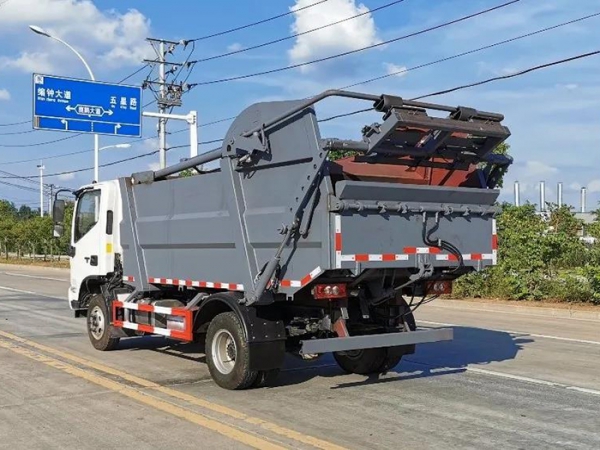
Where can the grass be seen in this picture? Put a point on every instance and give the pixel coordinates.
(63, 264)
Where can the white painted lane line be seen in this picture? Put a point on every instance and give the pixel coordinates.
(21, 291)
(62, 280)
(520, 378)
(522, 333)
(516, 313)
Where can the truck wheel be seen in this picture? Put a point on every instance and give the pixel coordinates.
(265, 378)
(98, 325)
(362, 362)
(228, 354)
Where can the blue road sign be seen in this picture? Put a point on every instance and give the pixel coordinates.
(82, 106)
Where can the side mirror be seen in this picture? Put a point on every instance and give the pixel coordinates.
(58, 217)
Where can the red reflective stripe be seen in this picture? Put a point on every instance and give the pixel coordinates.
(361, 257)
(145, 328)
(307, 279)
(435, 250)
(286, 283)
(338, 241)
(410, 250)
(476, 256)
(494, 242)
(145, 308)
(389, 257)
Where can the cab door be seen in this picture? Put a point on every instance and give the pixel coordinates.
(86, 241)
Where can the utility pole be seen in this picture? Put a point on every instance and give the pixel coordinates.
(169, 93)
(41, 167)
(50, 199)
(162, 122)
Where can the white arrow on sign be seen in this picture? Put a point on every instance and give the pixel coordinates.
(117, 126)
(71, 108)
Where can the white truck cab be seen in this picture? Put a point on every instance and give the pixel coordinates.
(94, 240)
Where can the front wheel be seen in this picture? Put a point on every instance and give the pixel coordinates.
(98, 325)
(228, 353)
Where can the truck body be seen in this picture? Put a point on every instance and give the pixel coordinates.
(280, 248)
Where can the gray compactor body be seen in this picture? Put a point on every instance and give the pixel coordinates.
(277, 214)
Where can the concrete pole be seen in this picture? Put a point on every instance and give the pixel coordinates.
(41, 167)
(162, 122)
(517, 194)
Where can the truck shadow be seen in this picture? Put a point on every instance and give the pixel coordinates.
(471, 346)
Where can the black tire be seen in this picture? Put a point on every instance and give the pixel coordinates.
(362, 362)
(228, 354)
(98, 325)
(265, 378)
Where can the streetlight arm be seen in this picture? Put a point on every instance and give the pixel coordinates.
(77, 53)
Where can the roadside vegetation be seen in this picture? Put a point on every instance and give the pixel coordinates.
(540, 258)
(26, 238)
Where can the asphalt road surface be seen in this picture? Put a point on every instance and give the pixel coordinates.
(510, 379)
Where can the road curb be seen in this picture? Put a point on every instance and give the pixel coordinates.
(542, 310)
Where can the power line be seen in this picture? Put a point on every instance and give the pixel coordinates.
(512, 75)
(14, 133)
(295, 35)
(489, 80)
(253, 24)
(479, 83)
(470, 52)
(14, 123)
(351, 52)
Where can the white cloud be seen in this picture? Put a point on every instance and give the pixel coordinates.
(28, 62)
(575, 186)
(154, 166)
(4, 94)
(114, 38)
(538, 168)
(66, 176)
(594, 186)
(235, 47)
(350, 35)
(394, 69)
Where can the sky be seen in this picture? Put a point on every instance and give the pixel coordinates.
(553, 114)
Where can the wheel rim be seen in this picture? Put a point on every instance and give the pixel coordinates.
(224, 351)
(97, 322)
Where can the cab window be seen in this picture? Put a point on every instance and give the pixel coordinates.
(88, 212)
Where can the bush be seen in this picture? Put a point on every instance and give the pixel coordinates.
(538, 258)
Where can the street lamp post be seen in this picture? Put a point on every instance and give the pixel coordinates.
(42, 32)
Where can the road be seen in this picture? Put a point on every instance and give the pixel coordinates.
(510, 378)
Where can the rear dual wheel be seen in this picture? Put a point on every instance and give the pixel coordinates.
(228, 355)
(368, 361)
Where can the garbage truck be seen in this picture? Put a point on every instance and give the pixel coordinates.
(284, 241)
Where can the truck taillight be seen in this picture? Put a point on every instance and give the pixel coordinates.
(439, 287)
(329, 291)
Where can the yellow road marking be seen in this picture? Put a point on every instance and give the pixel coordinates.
(270, 426)
(153, 402)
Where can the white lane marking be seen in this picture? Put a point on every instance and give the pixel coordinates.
(21, 291)
(509, 376)
(34, 276)
(542, 316)
(523, 333)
